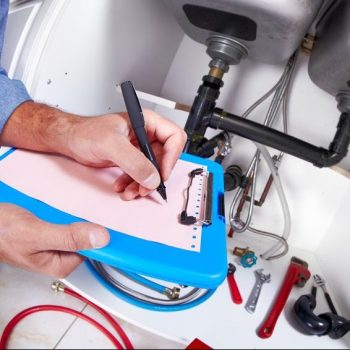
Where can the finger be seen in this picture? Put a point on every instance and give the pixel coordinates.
(133, 162)
(131, 191)
(73, 237)
(158, 151)
(61, 264)
(170, 135)
(124, 180)
(157, 148)
(144, 192)
(121, 183)
(171, 153)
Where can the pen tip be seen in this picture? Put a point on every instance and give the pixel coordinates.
(164, 197)
(162, 192)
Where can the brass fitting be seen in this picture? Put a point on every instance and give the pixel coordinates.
(241, 251)
(216, 72)
(57, 286)
(172, 293)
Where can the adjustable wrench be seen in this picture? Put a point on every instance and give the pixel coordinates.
(297, 274)
(261, 278)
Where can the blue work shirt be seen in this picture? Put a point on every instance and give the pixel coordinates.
(12, 92)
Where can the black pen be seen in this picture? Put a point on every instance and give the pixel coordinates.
(137, 120)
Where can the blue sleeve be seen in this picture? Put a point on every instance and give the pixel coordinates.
(12, 92)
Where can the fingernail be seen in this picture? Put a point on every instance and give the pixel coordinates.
(152, 181)
(97, 240)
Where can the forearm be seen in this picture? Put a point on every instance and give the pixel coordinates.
(38, 127)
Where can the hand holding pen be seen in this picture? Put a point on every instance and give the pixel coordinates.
(138, 124)
(156, 129)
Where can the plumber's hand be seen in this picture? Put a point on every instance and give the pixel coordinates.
(109, 140)
(32, 244)
(99, 141)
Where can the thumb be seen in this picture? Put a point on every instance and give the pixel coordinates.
(133, 162)
(74, 237)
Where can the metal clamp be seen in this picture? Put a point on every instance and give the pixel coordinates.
(205, 212)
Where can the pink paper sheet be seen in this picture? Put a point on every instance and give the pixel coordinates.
(87, 193)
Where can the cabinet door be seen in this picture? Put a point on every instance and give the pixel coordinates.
(19, 23)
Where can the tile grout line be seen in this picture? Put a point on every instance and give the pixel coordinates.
(69, 327)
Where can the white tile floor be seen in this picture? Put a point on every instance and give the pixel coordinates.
(94, 339)
(20, 289)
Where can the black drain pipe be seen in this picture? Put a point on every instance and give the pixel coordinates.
(318, 156)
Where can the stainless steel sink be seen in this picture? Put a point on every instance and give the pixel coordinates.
(271, 30)
(329, 65)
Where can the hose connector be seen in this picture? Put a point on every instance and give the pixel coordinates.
(172, 293)
(57, 286)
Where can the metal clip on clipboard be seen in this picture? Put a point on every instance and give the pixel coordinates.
(205, 212)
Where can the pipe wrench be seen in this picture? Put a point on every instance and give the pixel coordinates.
(297, 274)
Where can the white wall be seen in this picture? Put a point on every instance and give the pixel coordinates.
(79, 50)
(333, 255)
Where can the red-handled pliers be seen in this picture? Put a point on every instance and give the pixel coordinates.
(235, 293)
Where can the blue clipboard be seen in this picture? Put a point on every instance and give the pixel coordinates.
(204, 269)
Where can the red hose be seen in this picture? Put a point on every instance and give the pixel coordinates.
(12, 324)
(106, 315)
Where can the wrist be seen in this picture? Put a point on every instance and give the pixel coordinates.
(39, 127)
(55, 128)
